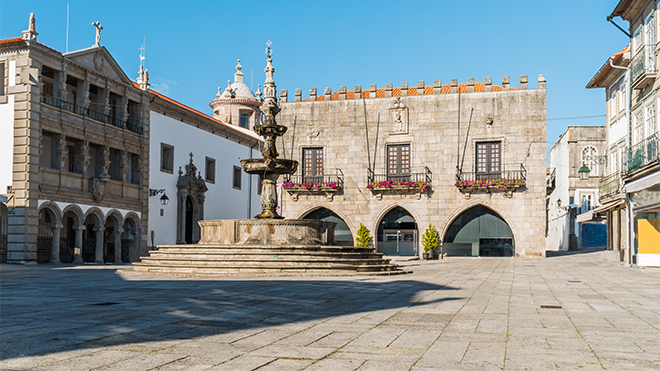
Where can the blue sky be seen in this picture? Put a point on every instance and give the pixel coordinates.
(192, 46)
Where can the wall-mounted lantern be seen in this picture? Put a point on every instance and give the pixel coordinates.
(164, 200)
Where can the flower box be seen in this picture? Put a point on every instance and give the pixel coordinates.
(295, 189)
(490, 185)
(389, 186)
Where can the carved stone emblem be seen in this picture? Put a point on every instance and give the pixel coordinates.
(489, 120)
(398, 117)
(98, 61)
(97, 188)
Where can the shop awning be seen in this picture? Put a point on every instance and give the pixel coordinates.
(643, 183)
(609, 205)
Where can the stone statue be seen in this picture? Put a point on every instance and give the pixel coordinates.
(98, 33)
(33, 23)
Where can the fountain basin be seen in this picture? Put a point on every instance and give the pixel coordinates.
(261, 166)
(267, 232)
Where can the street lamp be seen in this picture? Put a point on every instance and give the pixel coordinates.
(584, 172)
(163, 199)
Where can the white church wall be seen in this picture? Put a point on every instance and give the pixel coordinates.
(223, 201)
(7, 134)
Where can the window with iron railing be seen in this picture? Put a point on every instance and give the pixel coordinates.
(398, 162)
(312, 165)
(488, 160)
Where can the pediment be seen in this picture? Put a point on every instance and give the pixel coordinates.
(98, 58)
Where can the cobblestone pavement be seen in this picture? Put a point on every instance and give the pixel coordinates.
(565, 312)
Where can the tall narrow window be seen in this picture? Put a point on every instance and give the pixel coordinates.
(210, 170)
(312, 165)
(650, 119)
(589, 158)
(244, 120)
(398, 162)
(639, 127)
(237, 177)
(488, 162)
(2, 78)
(166, 158)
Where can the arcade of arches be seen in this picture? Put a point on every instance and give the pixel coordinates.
(343, 236)
(92, 237)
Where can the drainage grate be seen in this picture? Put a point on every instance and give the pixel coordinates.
(551, 307)
(105, 303)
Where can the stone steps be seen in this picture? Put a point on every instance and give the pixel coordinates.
(263, 260)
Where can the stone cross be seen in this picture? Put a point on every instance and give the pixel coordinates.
(98, 33)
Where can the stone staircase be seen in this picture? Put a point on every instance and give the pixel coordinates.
(263, 260)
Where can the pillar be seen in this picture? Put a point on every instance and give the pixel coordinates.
(55, 251)
(117, 234)
(77, 250)
(98, 254)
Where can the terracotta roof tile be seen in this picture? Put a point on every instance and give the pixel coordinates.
(497, 88)
(365, 94)
(412, 91)
(334, 96)
(13, 40)
(320, 98)
(428, 90)
(380, 93)
(479, 87)
(396, 92)
(350, 94)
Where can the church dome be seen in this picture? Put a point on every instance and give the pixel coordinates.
(239, 89)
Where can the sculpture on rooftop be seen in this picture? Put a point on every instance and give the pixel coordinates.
(98, 33)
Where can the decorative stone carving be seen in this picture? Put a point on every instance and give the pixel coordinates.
(98, 35)
(489, 120)
(124, 166)
(62, 151)
(97, 188)
(105, 174)
(190, 184)
(398, 117)
(85, 156)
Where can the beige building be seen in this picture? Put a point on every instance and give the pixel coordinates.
(75, 159)
(468, 158)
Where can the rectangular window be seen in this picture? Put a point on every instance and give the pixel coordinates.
(166, 158)
(2, 78)
(639, 127)
(313, 165)
(488, 160)
(244, 120)
(210, 170)
(398, 162)
(650, 119)
(237, 177)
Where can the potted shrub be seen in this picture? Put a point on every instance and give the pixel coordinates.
(429, 242)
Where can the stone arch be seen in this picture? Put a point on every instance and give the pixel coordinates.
(406, 239)
(77, 211)
(54, 209)
(473, 205)
(49, 224)
(113, 228)
(71, 235)
(349, 240)
(131, 238)
(92, 239)
(189, 185)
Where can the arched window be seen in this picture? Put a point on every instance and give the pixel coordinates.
(589, 158)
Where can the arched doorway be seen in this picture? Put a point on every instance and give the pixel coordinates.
(68, 237)
(343, 236)
(111, 240)
(46, 223)
(90, 233)
(128, 240)
(397, 233)
(479, 231)
(190, 213)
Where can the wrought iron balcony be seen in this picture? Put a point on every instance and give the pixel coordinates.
(505, 181)
(327, 184)
(90, 113)
(641, 155)
(642, 66)
(399, 183)
(609, 186)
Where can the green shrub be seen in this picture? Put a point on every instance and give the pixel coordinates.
(363, 237)
(430, 239)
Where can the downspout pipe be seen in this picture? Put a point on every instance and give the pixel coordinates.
(631, 222)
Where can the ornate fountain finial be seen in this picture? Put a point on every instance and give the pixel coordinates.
(229, 93)
(269, 167)
(258, 93)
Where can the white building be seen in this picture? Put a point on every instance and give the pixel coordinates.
(570, 205)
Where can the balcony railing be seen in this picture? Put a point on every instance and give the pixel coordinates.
(505, 180)
(327, 184)
(609, 186)
(642, 63)
(640, 155)
(399, 183)
(90, 113)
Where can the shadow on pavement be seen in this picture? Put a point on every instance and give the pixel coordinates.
(50, 309)
(590, 250)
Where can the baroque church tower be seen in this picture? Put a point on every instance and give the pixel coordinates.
(237, 105)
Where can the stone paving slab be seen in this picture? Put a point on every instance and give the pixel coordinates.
(453, 314)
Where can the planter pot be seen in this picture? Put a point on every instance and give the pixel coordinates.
(431, 254)
(425, 256)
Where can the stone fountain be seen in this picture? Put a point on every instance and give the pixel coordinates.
(269, 244)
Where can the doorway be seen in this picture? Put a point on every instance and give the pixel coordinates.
(397, 233)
